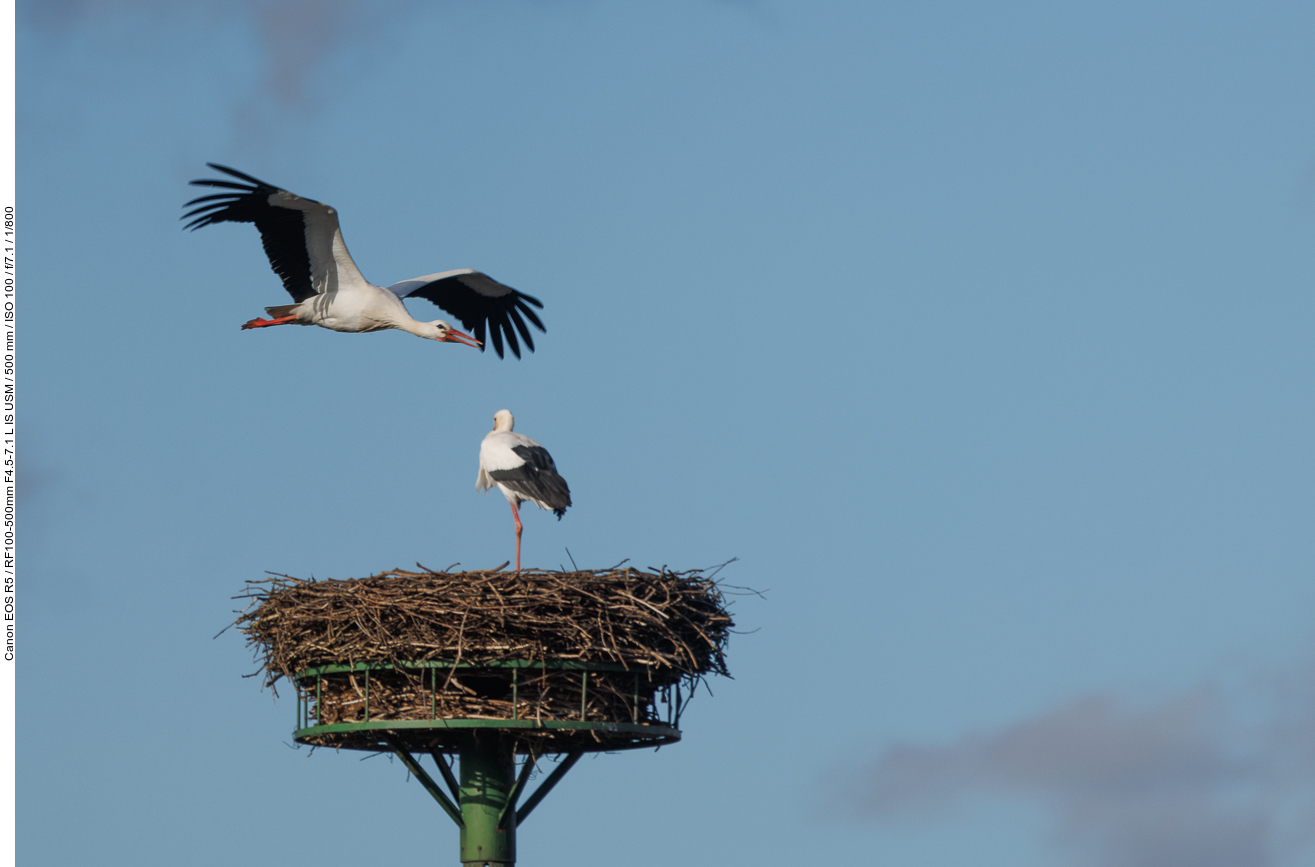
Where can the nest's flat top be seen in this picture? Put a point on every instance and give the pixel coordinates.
(674, 623)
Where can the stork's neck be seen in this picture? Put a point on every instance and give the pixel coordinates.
(392, 313)
(405, 322)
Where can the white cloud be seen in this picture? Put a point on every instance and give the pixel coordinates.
(1208, 778)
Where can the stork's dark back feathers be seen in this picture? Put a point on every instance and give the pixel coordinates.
(536, 480)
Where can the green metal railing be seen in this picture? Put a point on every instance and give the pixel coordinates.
(609, 735)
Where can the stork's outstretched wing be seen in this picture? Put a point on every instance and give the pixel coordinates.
(301, 236)
(481, 303)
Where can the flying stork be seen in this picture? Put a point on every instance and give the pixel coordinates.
(523, 470)
(306, 249)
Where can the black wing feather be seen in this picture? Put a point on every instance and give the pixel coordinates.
(510, 334)
(495, 334)
(536, 480)
(476, 312)
(282, 230)
(520, 326)
(530, 314)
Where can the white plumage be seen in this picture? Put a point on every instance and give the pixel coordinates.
(523, 470)
(305, 248)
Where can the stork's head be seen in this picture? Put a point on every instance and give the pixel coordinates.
(502, 420)
(440, 330)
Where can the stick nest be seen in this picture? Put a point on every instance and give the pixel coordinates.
(672, 624)
(664, 627)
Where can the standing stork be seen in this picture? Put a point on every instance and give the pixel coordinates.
(523, 470)
(306, 249)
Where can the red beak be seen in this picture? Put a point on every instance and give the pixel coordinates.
(455, 336)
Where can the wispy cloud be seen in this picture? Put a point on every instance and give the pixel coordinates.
(1207, 778)
(296, 37)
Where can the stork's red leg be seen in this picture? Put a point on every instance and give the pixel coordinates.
(516, 515)
(263, 323)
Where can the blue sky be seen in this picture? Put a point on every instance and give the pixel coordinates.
(980, 335)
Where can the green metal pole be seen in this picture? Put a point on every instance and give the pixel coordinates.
(487, 780)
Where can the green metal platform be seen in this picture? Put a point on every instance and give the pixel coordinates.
(448, 735)
(483, 801)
